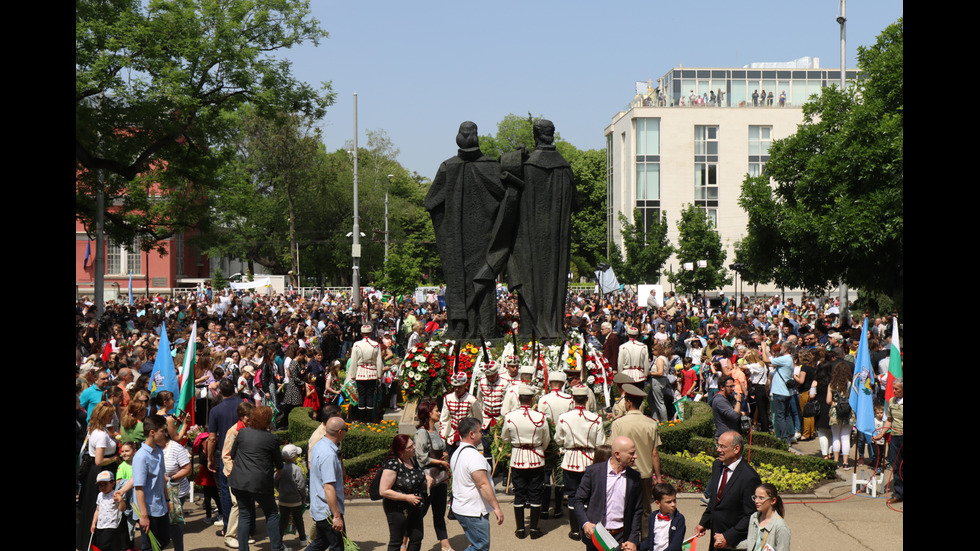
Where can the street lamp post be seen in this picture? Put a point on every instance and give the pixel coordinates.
(356, 247)
(387, 185)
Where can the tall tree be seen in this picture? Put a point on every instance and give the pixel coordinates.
(698, 240)
(646, 252)
(830, 203)
(589, 168)
(154, 84)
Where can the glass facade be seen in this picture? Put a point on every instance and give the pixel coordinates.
(735, 87)
(706, 170)
(647, 132)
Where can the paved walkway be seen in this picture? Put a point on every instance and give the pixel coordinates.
(828, 519)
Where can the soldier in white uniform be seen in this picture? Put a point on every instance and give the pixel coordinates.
(366, 369)
(490, 392)
(553, 404)
(458, 405)
(573, 378)
(634, 358)
(528, 433)
(510, 376)
(511, 402)
(578, 432)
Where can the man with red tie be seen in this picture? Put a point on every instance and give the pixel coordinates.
(730, 493)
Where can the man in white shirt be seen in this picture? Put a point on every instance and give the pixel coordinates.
(473, 495)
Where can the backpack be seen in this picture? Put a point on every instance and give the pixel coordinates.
(842, 407)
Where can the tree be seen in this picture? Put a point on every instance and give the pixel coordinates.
(646, 253)
(279, 162)
(698, 240)
(402, 273)
(155, 83)
(589, 168)
(829, 205)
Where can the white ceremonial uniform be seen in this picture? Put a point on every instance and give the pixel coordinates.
(366, 361)
(634, 361)
(491, 395)
(455, 410)
(528, 433)
(554, 404)
(510, 401)
(578, 432)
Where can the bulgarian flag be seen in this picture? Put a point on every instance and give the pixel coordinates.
(602, 539)
(186, 377)
(894, 361)
(691, 544)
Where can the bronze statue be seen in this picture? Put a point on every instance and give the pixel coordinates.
(464, 202)
(539, 263)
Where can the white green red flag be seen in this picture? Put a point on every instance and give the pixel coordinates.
(602, 539)
(691, 544)
(894, 361)
(186, 377)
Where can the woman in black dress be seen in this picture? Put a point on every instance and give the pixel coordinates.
(404, 487)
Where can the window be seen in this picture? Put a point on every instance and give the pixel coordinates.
(648, 169)
(706, 169)
(760, 139)
(179, 253)
(123, 259)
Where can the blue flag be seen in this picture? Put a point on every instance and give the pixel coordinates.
(862, 398)
(164, 374)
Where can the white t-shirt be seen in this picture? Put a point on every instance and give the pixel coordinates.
(109, 513)
(467, 500)
(175, 457)
(101, 439)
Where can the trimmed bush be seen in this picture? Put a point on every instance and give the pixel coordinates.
(766, 440)
(362, 464)
(759, 454)
(684, 469)
(301, 426)
(363, 438)
(698, 421)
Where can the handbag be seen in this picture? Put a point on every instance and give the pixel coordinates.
(811, 409)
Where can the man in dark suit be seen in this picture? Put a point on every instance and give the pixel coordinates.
(730, 493)
(622, 512)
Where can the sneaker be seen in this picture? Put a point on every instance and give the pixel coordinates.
(218, 521)
(231, 542)
(251, 540)
(797, 436)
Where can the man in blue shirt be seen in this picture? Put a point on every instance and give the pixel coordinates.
(93, 394)
(149, 482)
(327, 488)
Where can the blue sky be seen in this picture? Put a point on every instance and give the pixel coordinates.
(420, 68)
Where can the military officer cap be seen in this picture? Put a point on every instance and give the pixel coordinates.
(631, 390)
(622, 379)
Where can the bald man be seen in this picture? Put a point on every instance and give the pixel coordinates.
(613, 494)
(327, 488)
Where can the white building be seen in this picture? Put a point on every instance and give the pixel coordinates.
(668, 149)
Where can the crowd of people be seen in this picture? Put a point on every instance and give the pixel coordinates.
(259, 357)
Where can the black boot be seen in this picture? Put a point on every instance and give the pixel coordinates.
(559, 498)
(535, 516)
(521, 532)
(574, 532)
(546, 500)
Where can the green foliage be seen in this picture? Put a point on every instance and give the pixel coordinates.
(699, 240)
(301, 426)
(681, 467)
(698, 421)
(589, 169)
(646, 252)
(155, 83)
(218, 280)
(403, 270)
(836, 210)
(363, 438)
(362, 464)
(759, 455)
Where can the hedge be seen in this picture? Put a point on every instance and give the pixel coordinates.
(759, 454)
(362, 464)
(698, 421)
(685, 469)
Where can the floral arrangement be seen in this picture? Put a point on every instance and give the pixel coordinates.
(429, 365)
